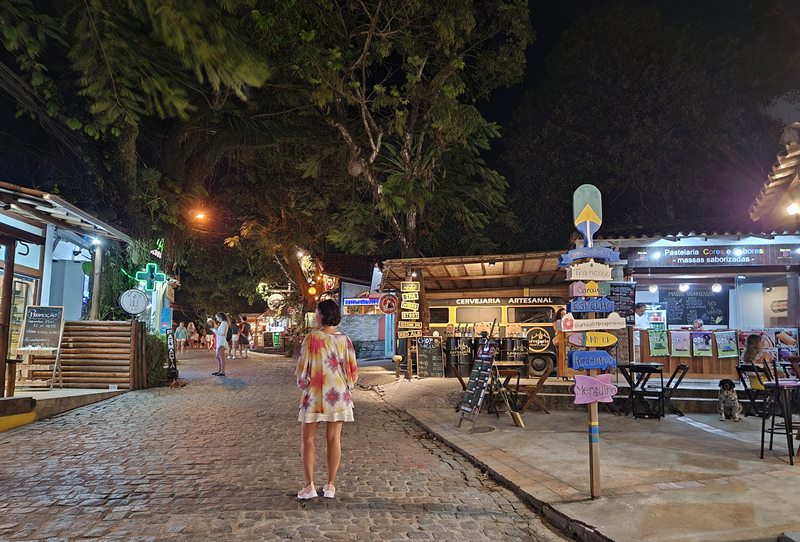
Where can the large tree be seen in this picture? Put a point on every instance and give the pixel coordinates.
(396, 82)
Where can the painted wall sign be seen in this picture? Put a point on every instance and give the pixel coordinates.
(538, 339)
(612, 321)
(589, 289)
(409, 306)
(409, 325)
(409, 315)
(590, 270)
(587, 210)
(502, 301)
(410, 296)
(584, 360)
(702, 256)
(592, 339)
(590, 304)
(360, 301)
(409, 286)
(409, 334)
(598, 389)
(600, 253)
(388, 304)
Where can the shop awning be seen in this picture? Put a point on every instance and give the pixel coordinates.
(776, 192)
(46, 208)
(477, 272)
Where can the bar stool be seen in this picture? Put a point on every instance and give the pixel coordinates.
(780, 396)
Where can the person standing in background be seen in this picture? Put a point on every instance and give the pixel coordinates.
(210, 335)
(234, 339)
(181, 336)
(640, 323)
(244, 336)
(221, 346)
(194, 336)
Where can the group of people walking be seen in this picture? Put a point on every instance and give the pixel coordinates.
(225, 338)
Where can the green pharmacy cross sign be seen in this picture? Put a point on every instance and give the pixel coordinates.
(150, 276)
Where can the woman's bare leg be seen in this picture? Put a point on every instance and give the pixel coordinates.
(333, 432)
(308, 432)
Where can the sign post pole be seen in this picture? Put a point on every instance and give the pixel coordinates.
(589, 299)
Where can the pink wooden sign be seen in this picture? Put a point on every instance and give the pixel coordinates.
(598, 389)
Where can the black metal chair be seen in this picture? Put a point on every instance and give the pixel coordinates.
(780, 392)
(753, 378)
(672, 386)
(650, 398)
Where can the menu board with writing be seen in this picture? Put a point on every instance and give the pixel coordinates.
(430, 361)
(623, 294)
(697, 303)
(42, 327)
(478, 381)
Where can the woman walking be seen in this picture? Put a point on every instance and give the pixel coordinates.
(220, 335)
(326, 372)
(181, 336)
(194, 336)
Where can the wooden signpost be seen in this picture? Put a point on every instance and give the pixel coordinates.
(589, 299)
(408, 326)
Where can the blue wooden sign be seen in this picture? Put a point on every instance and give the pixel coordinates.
(581, 360)
(599, 253)
(591, 304)
(587, 211)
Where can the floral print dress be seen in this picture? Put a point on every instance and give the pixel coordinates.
(326, 372)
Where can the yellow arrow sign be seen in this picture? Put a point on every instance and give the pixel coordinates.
(587, 214)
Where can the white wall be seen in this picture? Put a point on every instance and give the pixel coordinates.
(749, 298)
(66, 288)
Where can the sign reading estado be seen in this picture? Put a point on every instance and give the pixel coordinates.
(42, 327)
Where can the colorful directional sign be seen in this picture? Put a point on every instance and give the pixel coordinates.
(597, 389)
(590, 304)
(592, 339)
(582, 253)
(584, 360)
(587, 211)
(612, 321)
(589, 289)
(590, 270)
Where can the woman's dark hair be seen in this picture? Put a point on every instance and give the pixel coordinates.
(222, 317)
(329, 310)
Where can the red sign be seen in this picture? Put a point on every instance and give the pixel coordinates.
(388, 304)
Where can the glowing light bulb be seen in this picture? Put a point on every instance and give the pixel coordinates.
(716, 287)
(683, 287)
(653, 288)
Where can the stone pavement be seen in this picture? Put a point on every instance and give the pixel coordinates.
(219, 460)
(691, 478)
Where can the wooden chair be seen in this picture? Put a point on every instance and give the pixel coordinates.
(533, 390)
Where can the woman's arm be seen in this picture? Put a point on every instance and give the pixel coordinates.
(351, 365)
(301, 372)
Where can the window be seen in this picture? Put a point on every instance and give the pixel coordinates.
(477, 314)
(531, 315)
(440, 315)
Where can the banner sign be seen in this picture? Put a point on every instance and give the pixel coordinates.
(702, 256)
(600, 253)
(612, 321)
(360, 301)
(590, 270)
(591, 304)
(589, 289)
(592, 339)
(584, 360)
(598, 389)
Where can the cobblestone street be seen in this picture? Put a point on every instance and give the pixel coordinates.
(219, 459)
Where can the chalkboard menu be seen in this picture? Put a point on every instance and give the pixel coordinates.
(697, 303)
(623, 294)
(478, 381)
(42, 327)
(429, 357)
